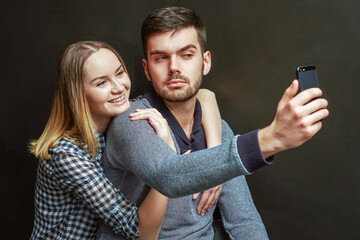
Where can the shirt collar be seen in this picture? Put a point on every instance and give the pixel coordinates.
(159, 104)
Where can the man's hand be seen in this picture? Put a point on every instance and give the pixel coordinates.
(208, 199)
(296, 121)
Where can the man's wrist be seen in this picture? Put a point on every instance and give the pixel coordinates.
(250, 152)
(268, 142)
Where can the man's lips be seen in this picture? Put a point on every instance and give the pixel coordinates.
(176, 83)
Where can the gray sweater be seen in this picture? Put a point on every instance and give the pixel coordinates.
(136, 157)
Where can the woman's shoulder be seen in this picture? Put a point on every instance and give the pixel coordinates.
(69, 155)
(68, 146)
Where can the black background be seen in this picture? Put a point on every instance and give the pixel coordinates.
(311, 192)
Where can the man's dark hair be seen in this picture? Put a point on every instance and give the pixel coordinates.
(172, 18)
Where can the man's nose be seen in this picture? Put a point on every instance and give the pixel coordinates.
(174, 65)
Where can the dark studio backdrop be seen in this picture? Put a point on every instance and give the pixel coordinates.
(311, 192)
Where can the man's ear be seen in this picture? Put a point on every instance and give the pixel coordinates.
(146, 69)
(207, 62)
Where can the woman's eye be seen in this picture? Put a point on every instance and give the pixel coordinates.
(100, 83)
(120, 73)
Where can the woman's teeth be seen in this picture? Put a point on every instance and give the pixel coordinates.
(117, 99)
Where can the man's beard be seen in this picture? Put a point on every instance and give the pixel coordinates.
(179, 95)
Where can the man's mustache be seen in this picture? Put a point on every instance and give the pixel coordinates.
(177, 76)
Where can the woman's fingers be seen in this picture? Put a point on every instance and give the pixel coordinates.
(142, 114)
(155, 119)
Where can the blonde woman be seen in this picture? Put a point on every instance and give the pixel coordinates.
(72, 192)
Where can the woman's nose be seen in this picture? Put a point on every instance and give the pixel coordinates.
(117, 87)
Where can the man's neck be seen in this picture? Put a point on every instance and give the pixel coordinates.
(184, 114)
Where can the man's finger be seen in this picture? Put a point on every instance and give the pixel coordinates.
(291, 91)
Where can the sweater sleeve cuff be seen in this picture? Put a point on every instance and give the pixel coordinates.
(123, 218)
(250, 152)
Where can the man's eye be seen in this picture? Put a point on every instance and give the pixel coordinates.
(188, 55)
(160, 58)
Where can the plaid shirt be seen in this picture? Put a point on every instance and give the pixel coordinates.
(72, 193)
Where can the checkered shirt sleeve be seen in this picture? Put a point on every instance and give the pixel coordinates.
(72, 192)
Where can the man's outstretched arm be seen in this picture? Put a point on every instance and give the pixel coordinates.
(135, 147)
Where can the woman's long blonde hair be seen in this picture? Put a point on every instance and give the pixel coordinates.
(70, 115)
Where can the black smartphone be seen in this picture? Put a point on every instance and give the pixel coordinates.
(308, 77)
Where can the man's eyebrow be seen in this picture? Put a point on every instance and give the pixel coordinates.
(157, 52)
(187, 47)
(154, 52)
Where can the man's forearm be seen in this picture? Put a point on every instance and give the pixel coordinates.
(135, 147)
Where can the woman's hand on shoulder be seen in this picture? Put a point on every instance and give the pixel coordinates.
(157, 121)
